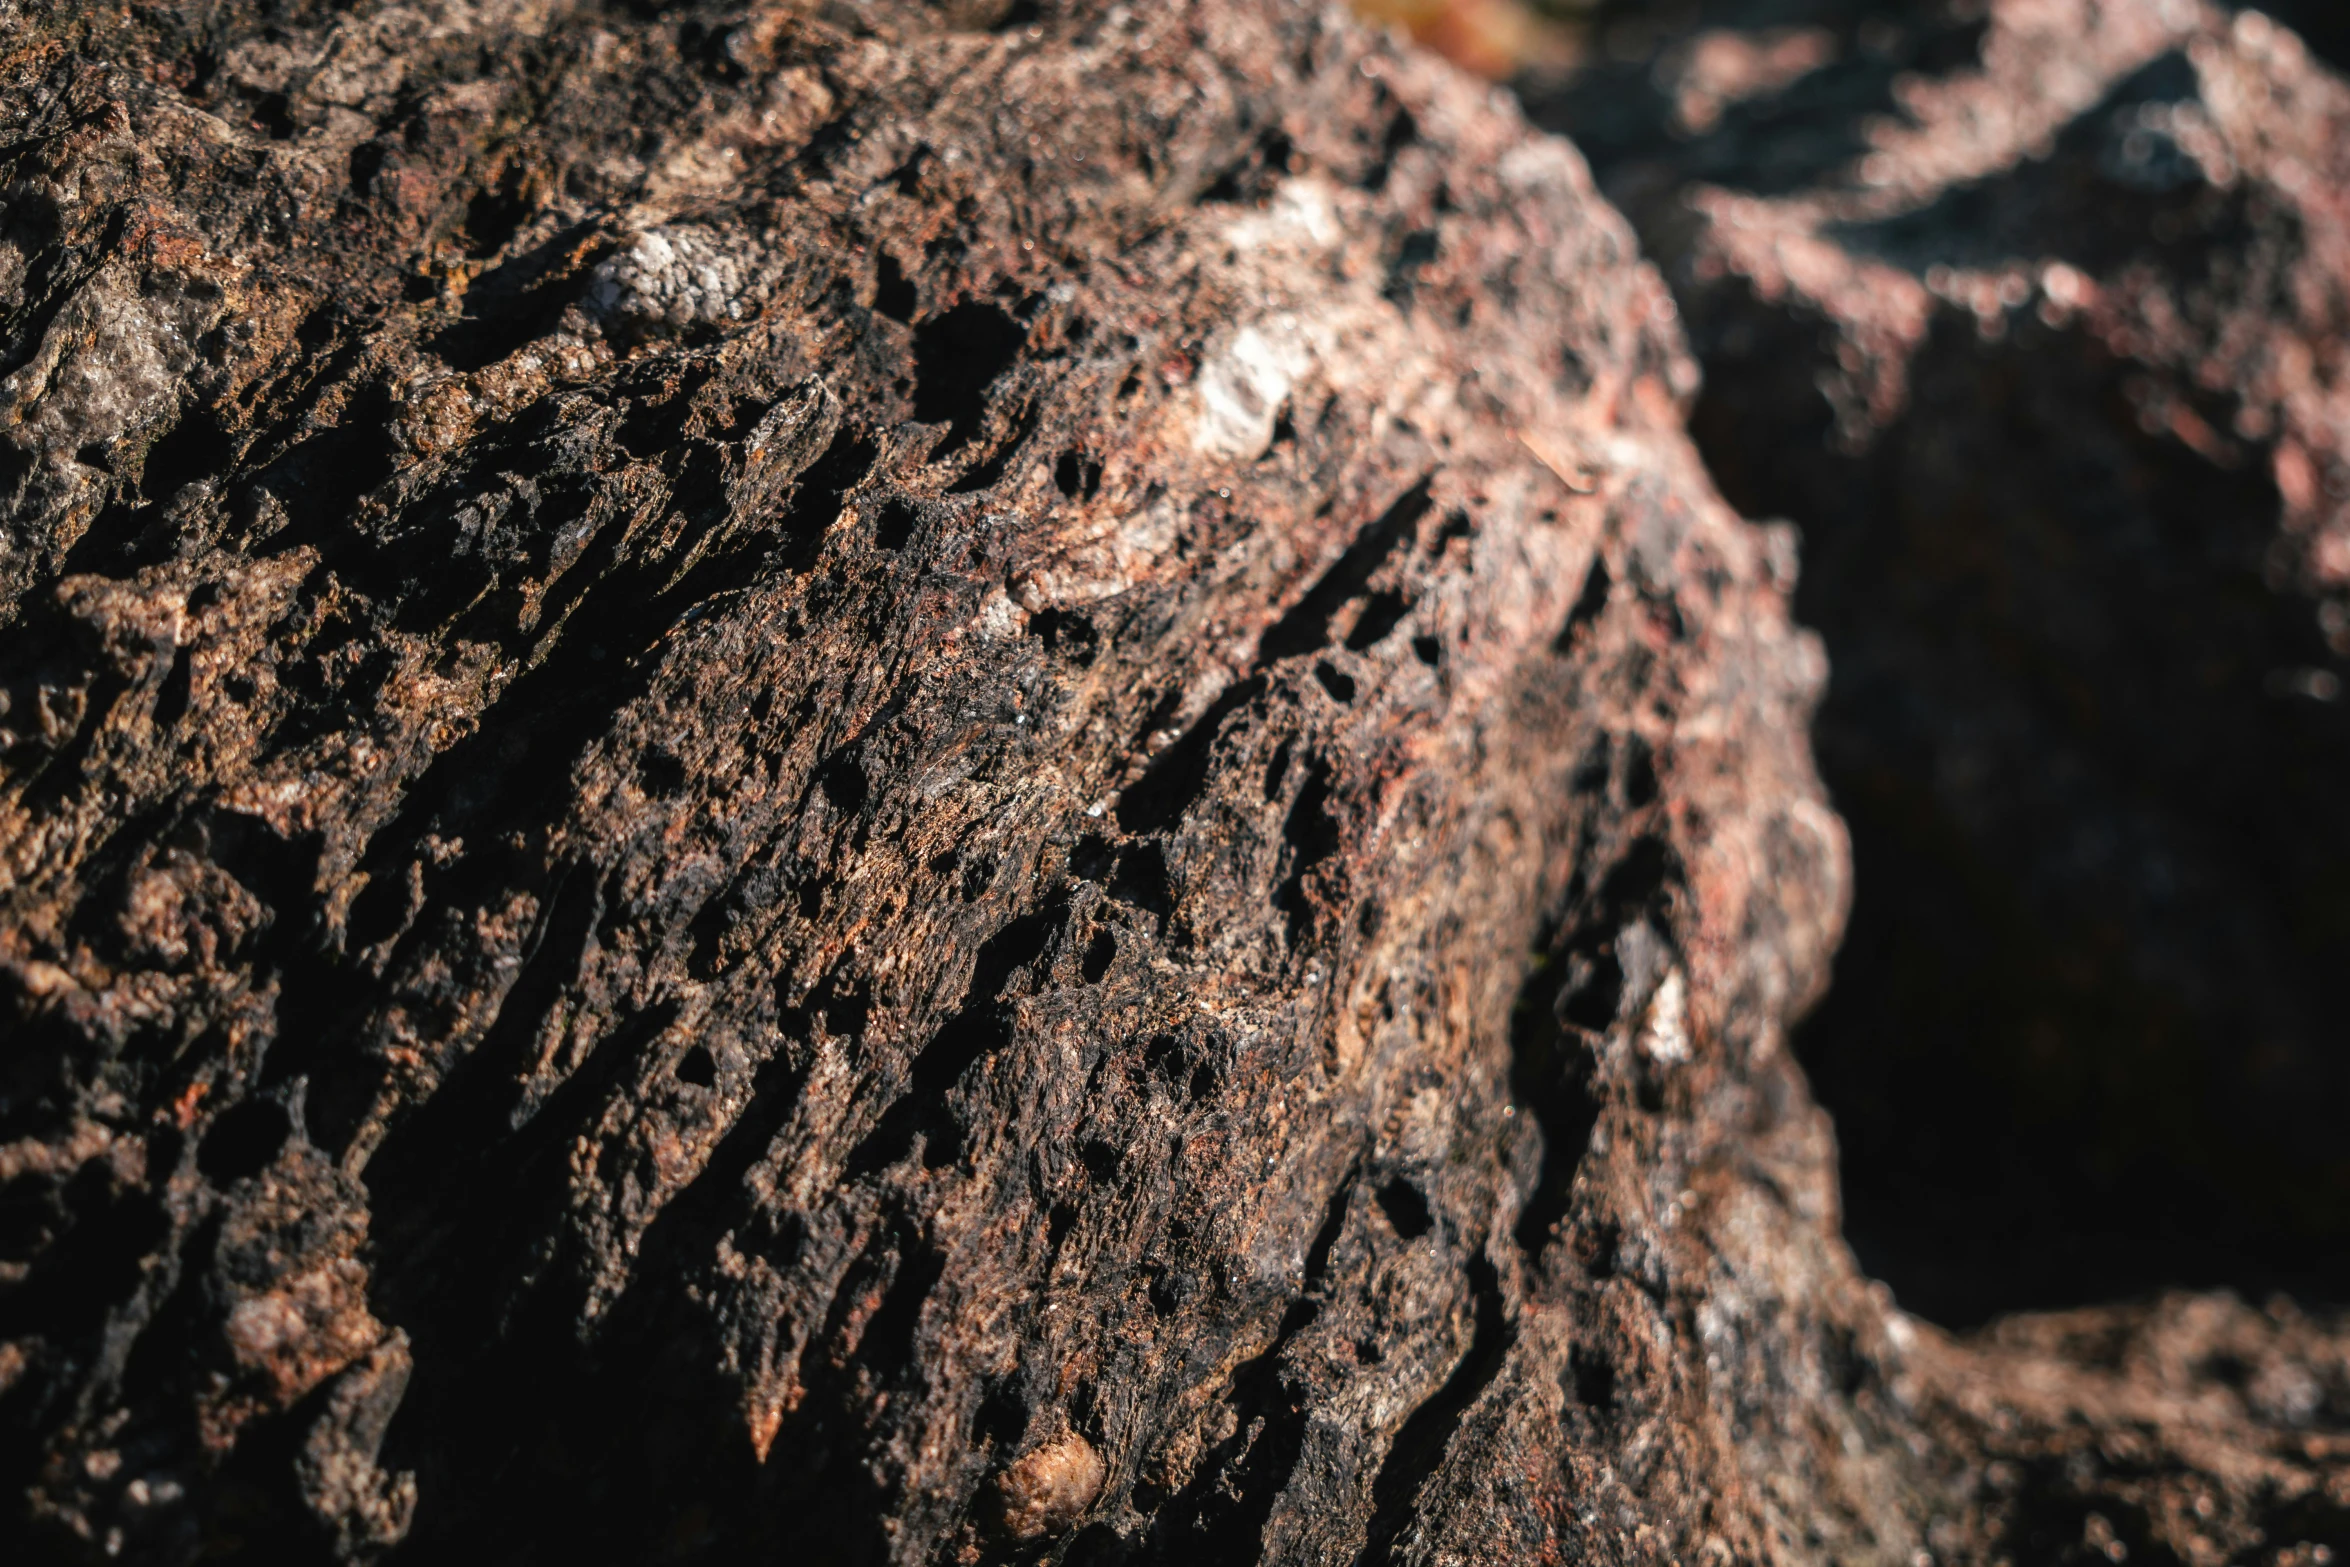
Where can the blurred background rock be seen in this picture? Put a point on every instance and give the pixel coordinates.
(1511, 38)
(2030, 317)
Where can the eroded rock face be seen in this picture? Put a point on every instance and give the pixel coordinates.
(2030, 314)
(790, 775)
(926, 785)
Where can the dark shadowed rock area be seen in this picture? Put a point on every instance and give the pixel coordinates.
(2031, 316)
(902, 784)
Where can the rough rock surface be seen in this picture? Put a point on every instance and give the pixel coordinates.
(2031, 315)
(921, 785)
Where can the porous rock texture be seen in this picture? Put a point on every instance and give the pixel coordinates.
(2031, 315)
(933, 785)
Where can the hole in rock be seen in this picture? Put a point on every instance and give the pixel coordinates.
(661, 773)
(1382, 612)
(893, 291)
(195, 447)
(1306, 625)
(243, 1141)
(1077, 475)
(1419, 249)
(1277, 770)
(1142, 880)
(1252, 177)
(1406, 1208)
(1002, 1417)
(1336, 681)
(1067, 633)
(273, 116)
(845, 1010)
(893, 525)
(1100, 953)
(1595, 1379)
(495, 214)
(957, 357)
(845, 785)
(1313, 835)
(1418, 1452)
(1093, 859)
(1640, 781)
(1588, 606)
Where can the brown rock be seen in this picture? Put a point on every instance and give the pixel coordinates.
(764, 763)
(793, 780)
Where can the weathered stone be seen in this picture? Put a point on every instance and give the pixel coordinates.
(798, 769)
(903, 784)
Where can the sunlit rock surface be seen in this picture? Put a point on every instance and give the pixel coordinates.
(903, 784)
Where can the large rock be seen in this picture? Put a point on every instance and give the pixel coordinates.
(824, 778)
(2030, 315)
(884, 784)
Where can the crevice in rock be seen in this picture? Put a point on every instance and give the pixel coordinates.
(1420, 1445)
(1305, 626)
(1221, 1514)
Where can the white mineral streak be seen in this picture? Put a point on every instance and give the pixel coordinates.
(109, 365)
(1301, 211)
(999, 619)
(1242, 386)
(1241, 389)
(673, 277)
(1338, 337)
(1665, 1035)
